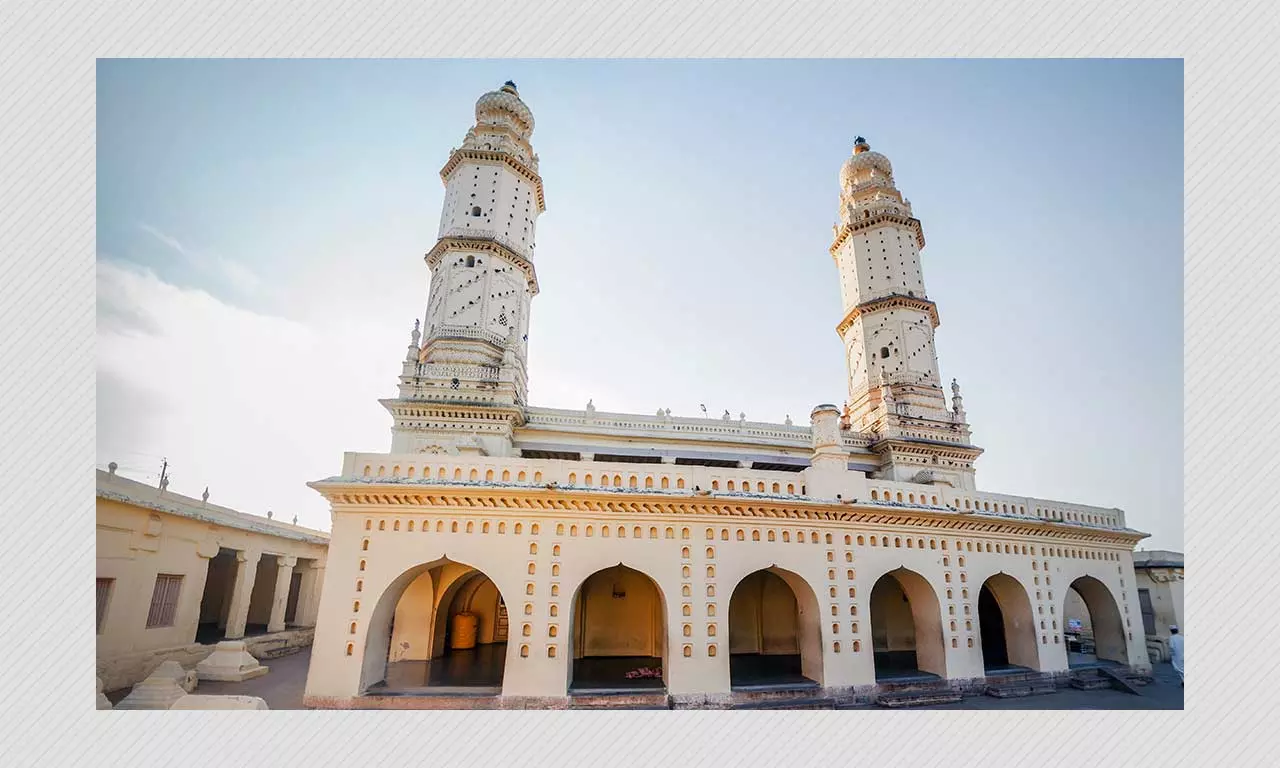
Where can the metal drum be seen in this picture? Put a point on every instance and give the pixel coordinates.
(466, 626)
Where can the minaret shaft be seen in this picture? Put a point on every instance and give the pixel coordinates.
(894, 382)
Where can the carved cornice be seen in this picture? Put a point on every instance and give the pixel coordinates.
(465, 412)
(501, 158)
(894, 301)
(361, 496)
(486, 245)
(874, 219)
(919, 447)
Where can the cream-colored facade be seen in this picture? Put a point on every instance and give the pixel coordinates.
(177, 574)
(1159, 578)
(529, 555)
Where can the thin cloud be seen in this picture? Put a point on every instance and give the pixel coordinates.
(240, 277)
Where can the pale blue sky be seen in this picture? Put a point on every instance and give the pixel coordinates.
(261, 226)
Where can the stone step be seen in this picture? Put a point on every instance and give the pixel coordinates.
(911, 685)
(1091, 683)
(1021, 688)
(807, 702)
(918, 698)
(1125, 680)
(627, 700)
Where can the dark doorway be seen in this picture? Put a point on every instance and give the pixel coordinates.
(295, 589)
(906, 627)
(765, 634)
(454, 638)
(215, 602)
(995, 648)
(619, 633)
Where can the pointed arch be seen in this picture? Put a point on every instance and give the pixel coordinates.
(775, 631)
(906, 626)
(1102, 624)
(1006, 625)
(618, 626)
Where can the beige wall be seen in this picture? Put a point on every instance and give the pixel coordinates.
(618, 612)
(540, 559)
(763, 616)
(135, 544)
(1165, 587)
(892, 628)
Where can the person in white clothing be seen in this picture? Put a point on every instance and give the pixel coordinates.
(1175, 653)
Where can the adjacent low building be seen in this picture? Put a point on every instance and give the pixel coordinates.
(176, 575)
(1158, 574)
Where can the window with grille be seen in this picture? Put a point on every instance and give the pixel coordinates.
(104, 594)
(164, 601)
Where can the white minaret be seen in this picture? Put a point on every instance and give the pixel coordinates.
(471, 353)
(895, 389)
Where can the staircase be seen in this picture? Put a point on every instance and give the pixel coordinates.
(1012, 689)
(605, 699)
(1100, 677)
(792, 697)
(1124, 679)
(916, 693)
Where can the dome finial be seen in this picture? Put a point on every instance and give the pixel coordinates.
(860, 145)
(509, 84)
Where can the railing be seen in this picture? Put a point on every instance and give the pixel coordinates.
(683, 480)
(755, 431)
(616, 476)
(466, 332)
(997, 504)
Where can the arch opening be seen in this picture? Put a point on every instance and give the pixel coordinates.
(1006, 627)
(619, 633)
(1093, 629)
(442, 625)
(774, 632)
(906, 627)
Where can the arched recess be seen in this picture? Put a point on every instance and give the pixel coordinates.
(619, 632)
(1100, 633)
(775, 634)
(438, 625)
(906, 626)
(1006, 626)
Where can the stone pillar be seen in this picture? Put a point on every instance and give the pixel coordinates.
(246, 570)
(280, 598)
(309, 595)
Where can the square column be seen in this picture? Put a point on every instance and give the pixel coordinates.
(246, 571)
(309, 594)
(280, 598)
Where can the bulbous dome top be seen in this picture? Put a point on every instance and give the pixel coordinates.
(862, 159)
(507, 100)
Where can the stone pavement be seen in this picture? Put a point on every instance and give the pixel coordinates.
(282, 689)
(1162, 693)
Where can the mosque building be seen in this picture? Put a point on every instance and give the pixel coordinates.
(506, 555)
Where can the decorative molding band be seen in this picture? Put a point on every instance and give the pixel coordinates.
(347, 495)
(500, 158)
(894, 301)
(486, 245)
(846, 230)
(424, 409)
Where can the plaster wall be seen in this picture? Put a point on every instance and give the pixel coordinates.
(135, 544)
(832, 566)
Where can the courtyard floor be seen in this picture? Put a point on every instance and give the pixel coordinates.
(282, 688)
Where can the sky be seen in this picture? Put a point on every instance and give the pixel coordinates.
(261, 229)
